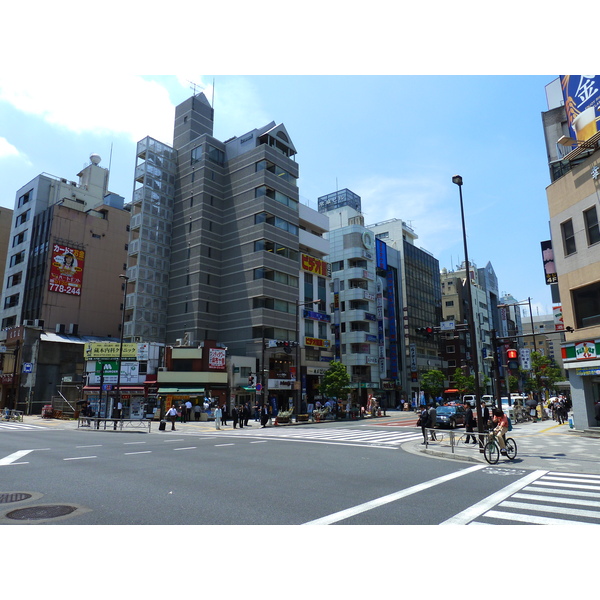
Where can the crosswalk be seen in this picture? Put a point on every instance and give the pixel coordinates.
(11, 426)
(353, 436)
(553, 499)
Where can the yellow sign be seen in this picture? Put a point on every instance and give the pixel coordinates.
(94, 350)
(319, 343)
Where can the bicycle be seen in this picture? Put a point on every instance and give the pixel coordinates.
(491, 450)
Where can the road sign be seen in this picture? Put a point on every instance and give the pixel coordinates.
(27, 367)
(258, 387)
(447, 326)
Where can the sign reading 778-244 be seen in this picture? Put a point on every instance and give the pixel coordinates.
(66, 270)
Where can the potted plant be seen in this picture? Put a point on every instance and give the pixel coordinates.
(284, 416)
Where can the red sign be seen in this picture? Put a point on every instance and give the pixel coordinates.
(314, 265)
(66, 270)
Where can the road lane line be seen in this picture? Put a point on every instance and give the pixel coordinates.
(90, 446)
(142, 452)
(11, 458)
(360, 508)
(130, 443)
(79, 457)
(218, 445)
(471, 513)
(189, 448)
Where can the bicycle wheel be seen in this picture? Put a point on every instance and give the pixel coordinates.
(491, 452)
(511, 448)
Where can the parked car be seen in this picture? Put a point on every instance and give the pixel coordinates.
(450, 416)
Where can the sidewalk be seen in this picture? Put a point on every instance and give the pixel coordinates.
(543, 445)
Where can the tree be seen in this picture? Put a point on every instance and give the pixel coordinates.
(543, 375)
(432, 382)
(335, 383)
(462, 382)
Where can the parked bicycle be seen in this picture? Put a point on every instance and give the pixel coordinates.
(491, 450)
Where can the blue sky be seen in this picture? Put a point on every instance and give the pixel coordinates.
(394, 140)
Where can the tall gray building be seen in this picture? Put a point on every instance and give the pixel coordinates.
(221, 249)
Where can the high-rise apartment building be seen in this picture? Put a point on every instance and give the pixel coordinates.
(221, 248)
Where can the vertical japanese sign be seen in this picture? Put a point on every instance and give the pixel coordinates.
(581, 94)
(559, 323)
(548, 259)
(66, 270)
(216, 358)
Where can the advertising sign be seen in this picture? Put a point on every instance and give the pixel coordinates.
(66, 270)
(585, 350)
(110, 369)
(110, 350)
(216, 358)
(581, 94)
(315, 265)
(559, 322)
(549, 266)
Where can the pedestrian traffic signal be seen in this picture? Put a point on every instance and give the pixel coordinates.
(512, 359)
(250, 380)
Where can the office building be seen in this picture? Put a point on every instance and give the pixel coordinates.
(572, 141)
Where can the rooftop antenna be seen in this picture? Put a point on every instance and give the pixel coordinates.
(195, 86)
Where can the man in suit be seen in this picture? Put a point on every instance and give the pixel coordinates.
(469, 424)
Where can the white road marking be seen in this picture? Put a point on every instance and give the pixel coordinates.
(11, 458)
(355, 510)
(143, 452)
(79, 457)
(190, 448)
(486, 504)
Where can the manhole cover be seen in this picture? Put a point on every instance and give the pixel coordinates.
(40, 512)
(13, 497)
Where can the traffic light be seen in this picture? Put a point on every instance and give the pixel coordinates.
(425, 331)
(512, 359)
(250, 380)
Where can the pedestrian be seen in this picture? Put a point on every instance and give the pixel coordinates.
(234, 416)
(246, 411)
(241, 416)
(432, 417)
(224, 416)
(118, 411)
(256, 412)
(197, 411)
(264, 415)
(218, 415)
(182, 412)
(469, 423)
(172, 415)
(423, 422)
(188, 410)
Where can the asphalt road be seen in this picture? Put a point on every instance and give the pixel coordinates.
(334, 473)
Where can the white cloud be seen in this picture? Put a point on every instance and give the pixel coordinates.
(421, 203)
(117, 104)
(7, 149)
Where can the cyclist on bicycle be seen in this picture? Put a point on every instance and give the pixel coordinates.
(501, 422)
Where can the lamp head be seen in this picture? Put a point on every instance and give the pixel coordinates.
(457, 179)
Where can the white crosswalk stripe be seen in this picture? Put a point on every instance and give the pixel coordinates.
(19, 426)
(553, 499)
(387, 438)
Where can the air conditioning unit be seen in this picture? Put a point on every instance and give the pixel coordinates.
(60, 328)
(39, 323)
(137, 339)
(28, 323)
(73, 328)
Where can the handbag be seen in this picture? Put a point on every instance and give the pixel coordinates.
(419, 422)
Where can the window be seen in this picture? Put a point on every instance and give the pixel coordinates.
(24, 199)
(591, 226)
(450, 349)
(11, 301)
(586, 305)
(15, 279)
(23, 218)
(196, 154)
(214, 154)
(19, 238)
(449, 302)
(18, 258)
(568, 236)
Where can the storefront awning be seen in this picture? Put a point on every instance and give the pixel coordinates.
(249, 389)
(180, 390)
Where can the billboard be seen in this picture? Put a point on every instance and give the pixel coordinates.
(66, 270)
(548, 259)
(581, 94)
(217, 358)
(315, 265)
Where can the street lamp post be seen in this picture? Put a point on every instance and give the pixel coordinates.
(126, 280)
(457, 179)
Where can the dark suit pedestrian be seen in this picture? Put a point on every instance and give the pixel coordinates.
(264, 415)
(234, 416)
(469, 423)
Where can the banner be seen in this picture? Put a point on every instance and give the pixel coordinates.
(548, 259)
(66, 270)
(581, 94)
(216, 358)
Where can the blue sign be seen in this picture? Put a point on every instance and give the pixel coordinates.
(27, 367)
